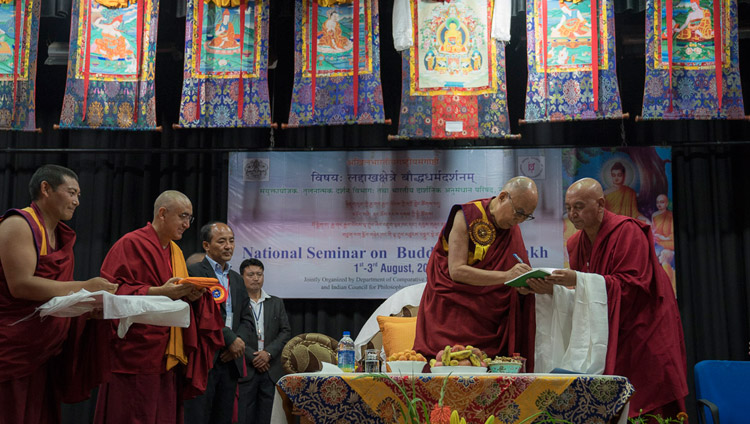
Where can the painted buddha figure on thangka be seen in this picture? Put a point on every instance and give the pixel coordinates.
(113, 39)
(572, 23)
(569, 39)
(113, 44)
(697, 24)
(225, 39)
(331, 38)
(453, 37)
(453, 42)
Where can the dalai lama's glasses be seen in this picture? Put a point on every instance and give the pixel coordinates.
(519, 214)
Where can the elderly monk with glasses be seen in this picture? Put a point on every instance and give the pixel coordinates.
(465, 301)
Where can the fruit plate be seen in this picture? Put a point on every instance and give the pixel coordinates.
(406, 367)
(458, 370)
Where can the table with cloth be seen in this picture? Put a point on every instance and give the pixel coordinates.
(360, 398)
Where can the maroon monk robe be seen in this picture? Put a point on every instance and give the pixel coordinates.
(136, 263)
(646, 344)
(487, 317)
(26, 392)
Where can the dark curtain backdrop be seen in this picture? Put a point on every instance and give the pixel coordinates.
(121, 173)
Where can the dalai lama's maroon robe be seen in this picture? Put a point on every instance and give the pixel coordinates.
(646, 343)
(32, 375)
(487, 317)
(141, 390)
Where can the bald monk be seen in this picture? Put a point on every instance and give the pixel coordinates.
(645, 341)
(36, 264)
(465, 301)
(154, 368)
(620, 198)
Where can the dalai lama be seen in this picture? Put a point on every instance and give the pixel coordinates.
(465, 301)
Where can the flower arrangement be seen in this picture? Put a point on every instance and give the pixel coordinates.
(418, 412)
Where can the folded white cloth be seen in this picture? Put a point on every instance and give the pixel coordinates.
(572, 327)
(152, 310)
(402, 25)
(501, 21)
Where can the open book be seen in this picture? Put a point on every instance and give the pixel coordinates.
(520, 281)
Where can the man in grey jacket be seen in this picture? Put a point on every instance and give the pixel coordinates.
(216, 405)
(271, 331)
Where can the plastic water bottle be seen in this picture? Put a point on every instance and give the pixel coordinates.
(346, 353)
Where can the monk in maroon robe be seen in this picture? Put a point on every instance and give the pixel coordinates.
(465, 301)
(645, 341)
(36, 264)
(154, 367)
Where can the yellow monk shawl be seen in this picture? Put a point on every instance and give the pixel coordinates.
(175, 352)
(43, 246)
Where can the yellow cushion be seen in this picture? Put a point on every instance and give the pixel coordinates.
(398, 333)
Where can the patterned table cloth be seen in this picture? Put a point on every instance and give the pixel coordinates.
(358, 398)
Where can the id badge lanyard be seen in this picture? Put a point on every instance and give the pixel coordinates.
(258, 326)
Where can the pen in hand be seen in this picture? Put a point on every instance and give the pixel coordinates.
(518, 258)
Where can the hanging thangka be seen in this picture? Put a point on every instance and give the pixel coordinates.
(19, 32)
(453, 68)
(111, 65)
(329, 39)
(687, 79)
(571, 69)
(225, 80)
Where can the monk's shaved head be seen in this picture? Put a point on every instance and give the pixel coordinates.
(169, 198)
(584, 202)
(588, 188)
(520, 185)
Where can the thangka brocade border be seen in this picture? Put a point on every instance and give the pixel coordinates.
(110, 102)
(19, 114)
(570, 93)
(483, 116)
(334, 100)
(213, 97)
(693, 88)
(414, 90)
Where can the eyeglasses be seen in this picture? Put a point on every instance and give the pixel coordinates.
(186, 217)
(519, 214)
